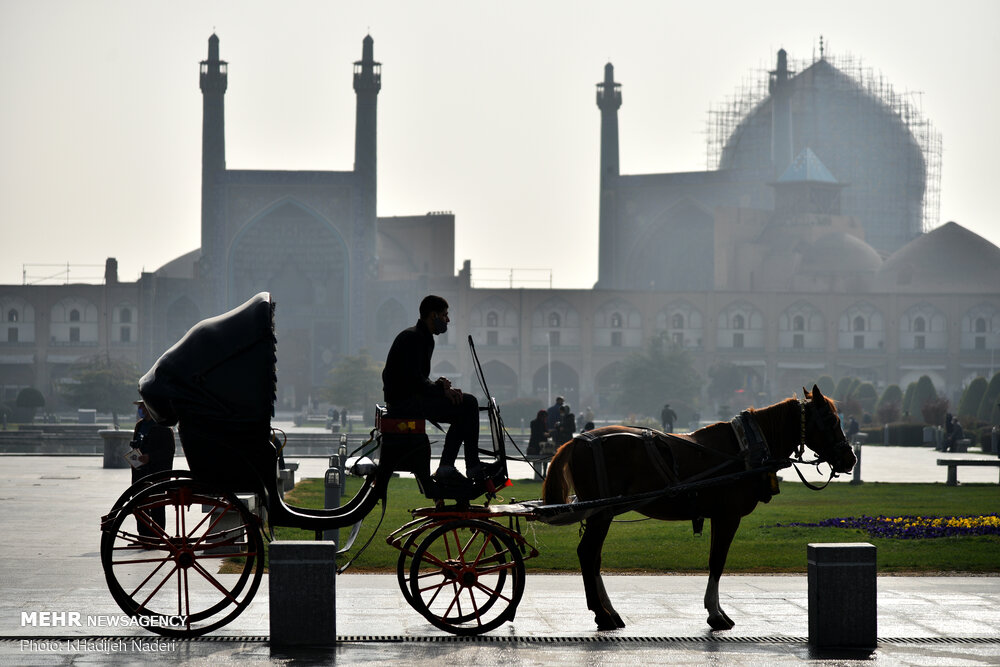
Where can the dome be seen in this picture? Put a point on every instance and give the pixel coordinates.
(839, 252)
(180, 267)
(948, 259)
(865, 144)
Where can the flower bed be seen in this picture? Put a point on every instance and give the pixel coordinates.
(913, 527)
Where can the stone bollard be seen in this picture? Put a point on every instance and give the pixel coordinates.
(116, 446)
(302, 588)
(842, 595)
(856, 479)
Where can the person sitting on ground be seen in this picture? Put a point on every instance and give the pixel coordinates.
(409, 391)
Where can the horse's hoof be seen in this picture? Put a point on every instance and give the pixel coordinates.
(609, 622)
(720, 621)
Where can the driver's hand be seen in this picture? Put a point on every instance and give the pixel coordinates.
(454, 395)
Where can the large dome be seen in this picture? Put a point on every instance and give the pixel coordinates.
(858, 135)
(947, 259)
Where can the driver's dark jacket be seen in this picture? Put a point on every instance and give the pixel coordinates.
(408, 365)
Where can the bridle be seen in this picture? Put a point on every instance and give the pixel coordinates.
(823, 424)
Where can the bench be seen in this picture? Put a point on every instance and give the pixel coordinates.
(954, 463)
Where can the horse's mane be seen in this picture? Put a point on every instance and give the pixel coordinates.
(781, 420)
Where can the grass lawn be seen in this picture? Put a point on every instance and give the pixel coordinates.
(760, 545)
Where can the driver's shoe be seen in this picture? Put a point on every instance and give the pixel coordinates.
(449, 475)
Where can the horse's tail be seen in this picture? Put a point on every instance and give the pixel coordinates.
(559, 479)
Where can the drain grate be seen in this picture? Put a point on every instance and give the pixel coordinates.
(490, 639)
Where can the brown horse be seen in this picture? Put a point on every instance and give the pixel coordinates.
(720, 472)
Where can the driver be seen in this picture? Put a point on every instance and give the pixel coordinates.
(409, 391)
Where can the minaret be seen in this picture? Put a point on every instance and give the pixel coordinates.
(609, 99)
(781, 117)
(213, 165)
(367, 84)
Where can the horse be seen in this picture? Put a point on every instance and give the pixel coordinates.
(727, 468)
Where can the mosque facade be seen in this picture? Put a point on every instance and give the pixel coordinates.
(807, 251)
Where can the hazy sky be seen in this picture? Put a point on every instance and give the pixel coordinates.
(487, 110)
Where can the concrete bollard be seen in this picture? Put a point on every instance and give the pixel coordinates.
(842, 595)
(302, 587)
(857, 466)
(116, 446)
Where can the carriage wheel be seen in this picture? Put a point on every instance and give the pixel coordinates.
(403, 567)
(168, 575)
(146, 481)
(467, 577)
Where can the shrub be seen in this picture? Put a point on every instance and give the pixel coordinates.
(842, 389)
(866, 396)
(826, 385)
(888, 412)
(908, 399)
(968, 406)
(29, 397)
(987, 407)
(934, 410)
(923, 392)
(906, 434)
(892, 394)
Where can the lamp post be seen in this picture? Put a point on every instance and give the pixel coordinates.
(548, 347)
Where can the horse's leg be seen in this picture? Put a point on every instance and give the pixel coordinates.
(589, 552)
(723, 530)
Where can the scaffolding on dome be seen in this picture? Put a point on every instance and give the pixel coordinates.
(725, 118)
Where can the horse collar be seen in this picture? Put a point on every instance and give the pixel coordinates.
(753, 445)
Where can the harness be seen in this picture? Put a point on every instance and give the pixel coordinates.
(756, 453)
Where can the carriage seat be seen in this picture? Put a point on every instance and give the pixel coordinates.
(405, 446)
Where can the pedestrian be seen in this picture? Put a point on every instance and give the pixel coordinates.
(554, 413)
(667, 418)
(155, 447)
(539, 434)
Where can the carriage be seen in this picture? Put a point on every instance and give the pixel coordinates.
(461, 564)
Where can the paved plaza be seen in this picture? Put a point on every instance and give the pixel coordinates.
(50, 507)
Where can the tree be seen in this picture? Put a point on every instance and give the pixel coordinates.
(908, 399)
(923, 393)
(988, 406)
(103, 383)
(892, 394)
(355, 382)
(890, 405)
(826, 385)
(866, 396)
(27, 402)
(934, 410)
(662, 372)
(968, 406)
(843, 389)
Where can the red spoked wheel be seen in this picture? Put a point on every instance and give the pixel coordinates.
(146, 481)
(163, 550)
(467, 577)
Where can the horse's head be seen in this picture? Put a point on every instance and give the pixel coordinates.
(822, 431)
